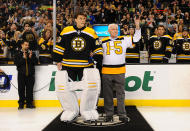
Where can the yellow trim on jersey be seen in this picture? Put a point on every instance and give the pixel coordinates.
(71, 60)
(183, 55)
(97, 49)
(132, 53)
(58, 52)
(157, 55)
(77, 65)
(67, 30)
(41, 41)
(91, 31)
(154, 36)
(156, 58)
(104, 39)
(60, 47)
(116, 70)
(168, 36)
(177, 35)
(169, 48)
(120, 37)
(99, 53)
(132, 57)
(183, 58)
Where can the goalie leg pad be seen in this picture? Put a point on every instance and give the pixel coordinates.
(90, 94)
(67, 98)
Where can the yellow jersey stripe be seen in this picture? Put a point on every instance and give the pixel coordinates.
(157, 55)
(97, 49)
(104, 39)
(99, 53)
(60, 47)
(71, 60)
(77, 65)
(58, 52)
(117, 70)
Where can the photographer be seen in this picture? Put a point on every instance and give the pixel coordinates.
(25, 61)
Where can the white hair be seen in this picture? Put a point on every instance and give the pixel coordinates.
(112, 25)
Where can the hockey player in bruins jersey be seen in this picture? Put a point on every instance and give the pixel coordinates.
(182, 47)
(133, 53)
(113, 70)
(160, 46)
(72, 54)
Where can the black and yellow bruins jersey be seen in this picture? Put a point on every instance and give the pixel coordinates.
(2, 45)
(160, 47)
(75, 47)
(182, 49)
(133, 53)
(45, 47)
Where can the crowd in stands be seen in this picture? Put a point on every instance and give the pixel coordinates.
(32, 20)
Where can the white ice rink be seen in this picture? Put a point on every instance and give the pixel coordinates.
(160, 118)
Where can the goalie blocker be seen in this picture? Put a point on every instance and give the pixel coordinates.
(66, 92)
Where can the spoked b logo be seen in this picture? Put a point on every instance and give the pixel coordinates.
(99, 123)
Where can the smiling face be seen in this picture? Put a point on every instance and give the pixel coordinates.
(113, 30)
(25, 46)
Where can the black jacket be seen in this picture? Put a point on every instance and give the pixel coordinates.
(25, 66)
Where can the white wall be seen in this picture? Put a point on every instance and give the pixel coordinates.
(165, 82)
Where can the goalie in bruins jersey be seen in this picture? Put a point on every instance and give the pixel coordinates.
(72, 55)
(182, 47)
(160, 46)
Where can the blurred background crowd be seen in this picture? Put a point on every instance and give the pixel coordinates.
(32, 20)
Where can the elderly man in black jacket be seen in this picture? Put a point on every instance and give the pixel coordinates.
(25, 61)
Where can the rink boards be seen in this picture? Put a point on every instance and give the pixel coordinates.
(146, 85)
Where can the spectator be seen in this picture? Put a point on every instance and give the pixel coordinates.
(3, 48)
(124, 30)
(45, 47)
(28, 34)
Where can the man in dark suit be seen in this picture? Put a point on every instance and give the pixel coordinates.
(25, 61)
